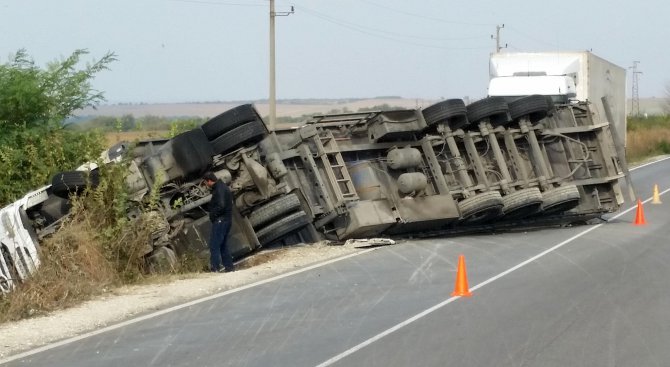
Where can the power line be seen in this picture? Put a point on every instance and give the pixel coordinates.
(211, 2)
(513, 29)
(394, 34)
(376, 32)
(424, 16)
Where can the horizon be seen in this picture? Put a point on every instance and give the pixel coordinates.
(649, 105)
(172, 51)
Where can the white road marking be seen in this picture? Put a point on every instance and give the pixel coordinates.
(430, 310)
(646, 164)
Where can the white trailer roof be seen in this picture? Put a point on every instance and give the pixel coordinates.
(558, 63)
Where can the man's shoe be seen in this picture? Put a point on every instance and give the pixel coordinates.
(226, 270)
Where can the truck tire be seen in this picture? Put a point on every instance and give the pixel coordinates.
(534, 106)
(481, 208)
(267, 212)
(451, 111)
(192, 152)
(249, 132)
(560, 199)
(282, 227)
(229, 120)
(65, 183)
(493, 108)
(522, 203)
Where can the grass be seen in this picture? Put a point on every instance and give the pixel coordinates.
(73, 268)
(96, 248)
(647, 137)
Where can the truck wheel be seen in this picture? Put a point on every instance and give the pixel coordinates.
(481, 208)
(560, 199)
(535, 107)
(451, 111)
(522, 203)
(249, 132)
(229, 120)
(282, 227)
(73, 182)
(192, 152)
(275, 208)
(493, 108)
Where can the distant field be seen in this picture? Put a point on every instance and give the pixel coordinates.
(651, 106)
(116, 137)
(213, 109)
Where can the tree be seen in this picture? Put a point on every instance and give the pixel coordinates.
(31, 96)
(34, 102)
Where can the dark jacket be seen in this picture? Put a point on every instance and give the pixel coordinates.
(221, 205)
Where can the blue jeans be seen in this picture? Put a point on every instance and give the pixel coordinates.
(218, 247)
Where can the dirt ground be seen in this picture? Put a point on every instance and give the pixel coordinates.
(124, 303)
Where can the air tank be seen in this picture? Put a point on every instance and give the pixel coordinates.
(411, 182)
(402, 158)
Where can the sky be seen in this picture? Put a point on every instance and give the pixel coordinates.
(218, 50)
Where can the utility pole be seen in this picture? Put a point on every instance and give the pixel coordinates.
(273, 98)
(635, 97)
(497, 38)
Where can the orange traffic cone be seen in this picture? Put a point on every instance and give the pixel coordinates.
(639, 215)
(461, 288)
(657, 198)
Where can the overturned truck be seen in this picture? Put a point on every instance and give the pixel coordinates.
(448, 168)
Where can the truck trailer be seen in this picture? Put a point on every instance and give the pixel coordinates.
(448, 168)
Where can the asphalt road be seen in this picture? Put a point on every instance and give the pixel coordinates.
(595, 295)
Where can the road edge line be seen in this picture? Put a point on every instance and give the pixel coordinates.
(176, 307)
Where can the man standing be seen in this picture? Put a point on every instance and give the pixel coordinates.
(220, 214)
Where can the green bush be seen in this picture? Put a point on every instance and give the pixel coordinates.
(30, 157)
(34, 102)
